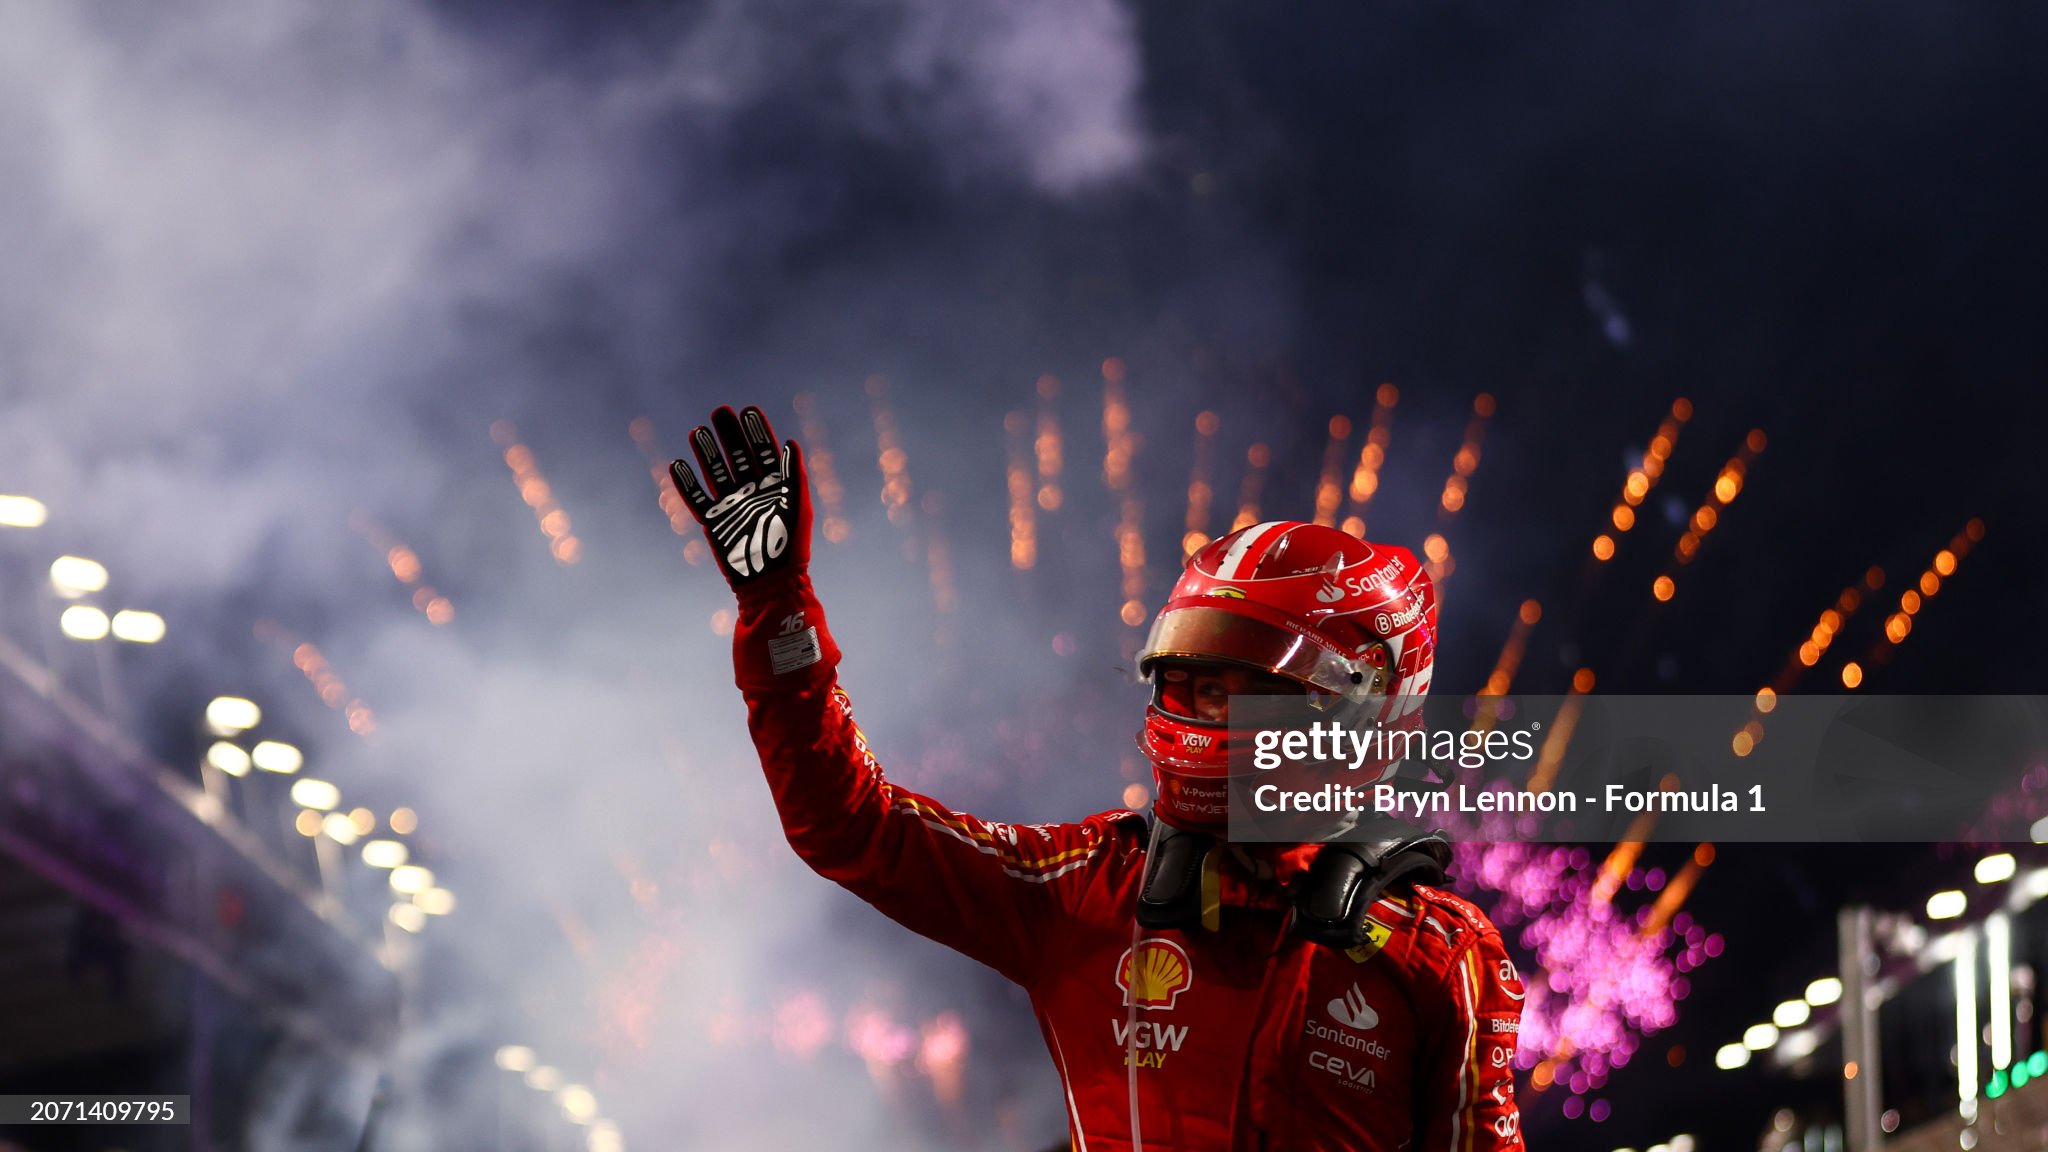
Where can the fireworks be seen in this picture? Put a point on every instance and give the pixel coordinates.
(1201, 493)
(1643, 478)
(405, 566)
(1727, 486)
(890, 457)
(818, 466)
(1023, 509)
(1329, 488)
(1047, 445)
(1256, 459)
(1120, 445)
(1899, 624)
(312, 664)
(1365, 479)
(1511, 653)
(1467, 460)
(533, 488)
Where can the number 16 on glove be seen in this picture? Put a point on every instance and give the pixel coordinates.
(752, 501)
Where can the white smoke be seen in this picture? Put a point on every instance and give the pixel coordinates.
(248, 245)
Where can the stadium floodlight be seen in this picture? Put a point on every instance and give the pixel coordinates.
(339, 827)
(1824, 991)
(277, 756)
(318, 795)
(1947, 905)
(435, 901)
(408, 917)
(578, 1103)
(229, 758)
(515, 1058)
(74, 576)
(1791, 1014)
(604, 1137)
(1760, 1037)
(410, 879)
(544, 1079)
(384, 854)
(233, 714)
(22, 512)
(83, 622)
(1997, 867)
(138, 627)
(1731, 1057)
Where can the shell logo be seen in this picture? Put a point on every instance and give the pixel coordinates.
(1160, 974)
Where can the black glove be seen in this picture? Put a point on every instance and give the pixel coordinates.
(756, 512)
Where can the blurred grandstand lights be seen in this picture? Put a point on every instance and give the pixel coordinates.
(83, 622)
(138, 627)
(1946, 905)
(2034, 884)
(1996, 868)
(1998, 971)
(408, 917)
(229, 714)
(515, 1058)
(1791, 1014)
(74, 576)
(338, 828)
(315, 794)
(411, 879)
(1967, 1039)
(604, 1137)
(1682, 1142)
(435, 901)
(384, 854)
(307, 823)
(403, 821)
(1730, 1057)
(22, 512)
(275, 756)
(229, 758)
(544, 1079)
(1824, 991)
(1794, 1046)
(577, 1103)
(1759, 1037)
(363, 821)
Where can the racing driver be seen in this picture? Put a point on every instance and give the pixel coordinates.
(1194, 993)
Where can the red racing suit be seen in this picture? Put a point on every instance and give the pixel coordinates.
(1244, 1038)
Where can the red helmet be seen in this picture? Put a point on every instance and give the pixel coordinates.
(1300, 606)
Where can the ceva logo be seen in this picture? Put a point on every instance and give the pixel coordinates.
(1154, 974)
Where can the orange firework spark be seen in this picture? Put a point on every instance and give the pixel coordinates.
(894, 462)
(1899, 624)
(679, 519)
(1436, 555)
(405, 566)
(818, 466)
(1256, 459)
(1643, 478)
(1727, 486)
(533, 488)
(1023, 510)
(1201, 494)
(1511, 653)
(1330, 486)
(1365, 479)
(1047, 445)
(1467, 460)
(312, 664)
(1120, 445)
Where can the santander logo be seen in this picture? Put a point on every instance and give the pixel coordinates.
(1329, 593)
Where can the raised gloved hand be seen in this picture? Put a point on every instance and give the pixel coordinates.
(756, 509)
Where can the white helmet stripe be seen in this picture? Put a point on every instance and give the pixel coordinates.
(1258, 537)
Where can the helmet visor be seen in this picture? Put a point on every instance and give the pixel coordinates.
(1204, 633)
